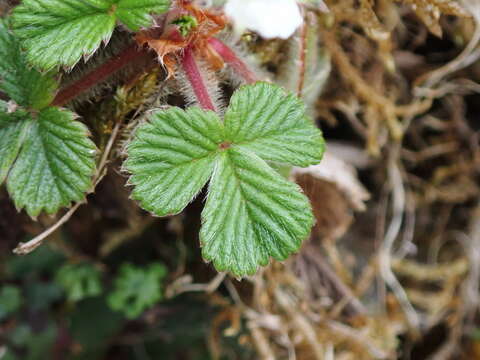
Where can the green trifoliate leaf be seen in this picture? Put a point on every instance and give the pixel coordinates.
(55, 164)
(60, 32)
(12, 132)
(171, 158)
(252, 214)
(137, 289)
(80, 281)
(264, 119)
(26, 86)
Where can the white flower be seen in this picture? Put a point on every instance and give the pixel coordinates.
(270, 18)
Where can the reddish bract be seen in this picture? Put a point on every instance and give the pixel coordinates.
(168, 42)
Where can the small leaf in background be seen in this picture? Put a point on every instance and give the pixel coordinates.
(26, 86)
(252, 212)
(43, 262)
(136, 289)
(55, 165)
(105, 321)
(20, 335)
(60, 32)
(40, 295)
(39, 344)
(10, 300)
(80, 281)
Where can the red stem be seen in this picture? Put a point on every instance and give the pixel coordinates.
(303, 56)
(116, 63)
(196, 80)
(229, 56)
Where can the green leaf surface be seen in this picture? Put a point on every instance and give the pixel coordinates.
(20, 335)
(42, 263)
(264, 119)
(251, 214)
(12, 132)
(79, 281)
(136, 289)
(55, 164)
(135, 14)
(60, 32)
(10, 300)
(172, 157)
(26, 86)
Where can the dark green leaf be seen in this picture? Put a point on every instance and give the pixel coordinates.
(80, 281)
(137, 289)
(55, 165)
(26, 86)
(60, 32)
(10, 300)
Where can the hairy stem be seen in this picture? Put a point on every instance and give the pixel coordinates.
(302, 59)
(116, 63)
(196, 80)
(232, 59)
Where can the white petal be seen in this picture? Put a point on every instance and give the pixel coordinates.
(270, 18)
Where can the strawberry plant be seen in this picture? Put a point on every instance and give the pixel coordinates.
(136, 289)
(46, 157)
(79, 281)
(252, 213)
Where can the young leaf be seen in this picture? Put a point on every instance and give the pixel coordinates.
(79, 281)
(252, 214)
(12, 131)
(55, 165)
(26, 86)
(264, 119)
(172, 157)
(60, 32)
(137, 289)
